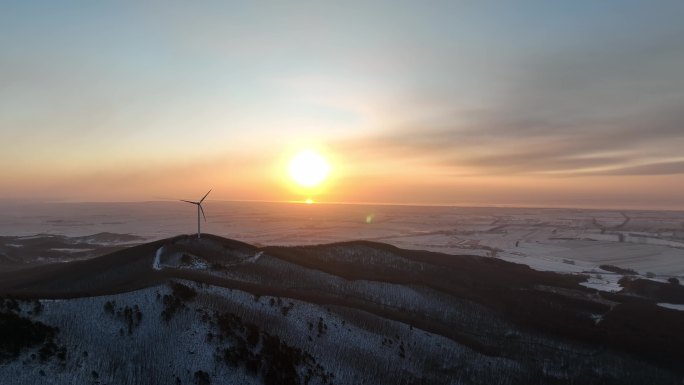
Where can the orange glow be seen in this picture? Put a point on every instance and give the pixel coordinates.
(356, 176)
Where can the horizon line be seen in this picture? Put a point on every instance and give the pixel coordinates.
(370, 203)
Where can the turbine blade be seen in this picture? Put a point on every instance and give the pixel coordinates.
(202, 210)
(183, 200)
(205, 195)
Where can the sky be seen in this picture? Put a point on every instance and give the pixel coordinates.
(530, 103)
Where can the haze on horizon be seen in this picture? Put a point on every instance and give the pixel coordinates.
(457, 102)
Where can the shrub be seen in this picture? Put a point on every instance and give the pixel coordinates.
(618, 270)
(10, 304)
(186, 259)
(266, 355)
(185, 293)
(202, 378)
(18, 333)
(322, 327)
(130, 316)
(109, 307)
(285, 309)
(37, 307)
(175, 301)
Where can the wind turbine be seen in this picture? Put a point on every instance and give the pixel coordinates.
(199, 208)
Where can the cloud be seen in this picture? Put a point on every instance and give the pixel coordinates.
(662, 168)
(613, 106)
(492, 146)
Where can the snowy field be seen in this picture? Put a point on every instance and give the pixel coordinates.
(572, 240)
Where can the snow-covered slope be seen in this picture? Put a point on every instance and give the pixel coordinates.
(217, 311)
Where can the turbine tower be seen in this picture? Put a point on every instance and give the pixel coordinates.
(199, 208)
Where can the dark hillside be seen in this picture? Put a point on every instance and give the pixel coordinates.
(494, 308)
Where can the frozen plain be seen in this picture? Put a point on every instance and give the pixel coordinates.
(568, 240)
(540, 238)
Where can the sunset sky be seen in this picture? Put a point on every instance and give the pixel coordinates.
(543, 103)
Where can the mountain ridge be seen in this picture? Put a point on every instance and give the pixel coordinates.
(495, 308)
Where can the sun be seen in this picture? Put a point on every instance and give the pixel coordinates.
(309, 168)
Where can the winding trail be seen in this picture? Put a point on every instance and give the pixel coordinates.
(624, 223)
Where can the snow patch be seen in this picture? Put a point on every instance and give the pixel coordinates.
(156, 264)
(69, 250)
(596, 318)
(37, 236)
(196, 264)
(603, 282)
(255, 257)
(673, 306)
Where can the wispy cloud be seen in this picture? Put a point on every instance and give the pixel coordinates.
(662, 168)
(609, 107)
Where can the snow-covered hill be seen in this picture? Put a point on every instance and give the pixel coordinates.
(218, 311)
